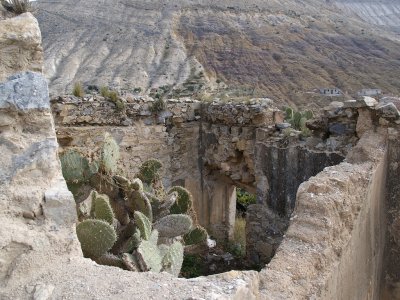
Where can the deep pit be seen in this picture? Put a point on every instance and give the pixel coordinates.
(214, 150)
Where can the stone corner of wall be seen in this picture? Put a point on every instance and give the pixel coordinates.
(332, 211)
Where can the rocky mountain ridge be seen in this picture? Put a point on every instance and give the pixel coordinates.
(277, 49)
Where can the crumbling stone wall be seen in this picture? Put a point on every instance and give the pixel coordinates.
(392, 258)
(334, 246)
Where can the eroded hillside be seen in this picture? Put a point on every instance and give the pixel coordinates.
(279, 49)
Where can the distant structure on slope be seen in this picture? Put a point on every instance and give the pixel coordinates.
(369, 92)
(330, 91)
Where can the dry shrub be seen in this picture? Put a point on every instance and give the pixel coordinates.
(239, 234)
(17, 6)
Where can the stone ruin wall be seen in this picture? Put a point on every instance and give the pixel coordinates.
(333, 248)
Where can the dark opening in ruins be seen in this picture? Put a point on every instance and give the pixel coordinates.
(229, 254)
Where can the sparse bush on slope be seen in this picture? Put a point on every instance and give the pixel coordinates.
(17, 6)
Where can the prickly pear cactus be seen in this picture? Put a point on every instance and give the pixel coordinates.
(308, 114)
(137, 185)
(109, 259)
(122, 182)
(102, 208)
(296, 120)
(138, 201)
(109, 155)
(144, 224)
(75, 167)
(130, 262)
(289, 113)
(195, 236)
(161, 208)
(149, 171)
(96, 237)
(149, 254)
(163, 249)
(173, 225)
(132, 243)
(302, 124)
(173, 259)
(184, 201)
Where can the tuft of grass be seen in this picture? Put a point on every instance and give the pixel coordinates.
(114, 97)
(104, 91)
(78, 90)
(158, 105)
(17, 6)
(239, 236)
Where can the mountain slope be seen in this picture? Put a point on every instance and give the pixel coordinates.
(278, 49)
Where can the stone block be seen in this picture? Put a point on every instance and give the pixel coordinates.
(25, 91)
(59, 205)
(388, 110)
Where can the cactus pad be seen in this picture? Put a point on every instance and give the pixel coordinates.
(132, 243)
(173, 259)
(96, 237)
(75, 167)
(102, 208)
(137, 185)
(149, 254)
(149, 170)
(122, 182)
(130, 262)
(184, 201)
(144, 224)
(173, 225)
(195, 236)
(109, 154)
(110, 260)
(138, 201)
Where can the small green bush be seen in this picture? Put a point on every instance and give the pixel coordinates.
(193, 266)
(78, 90)
(17, 6)
(114, 97)
(158, 105)
(245, 198)
(104, 91)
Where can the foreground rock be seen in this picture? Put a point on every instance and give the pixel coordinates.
(20, 45)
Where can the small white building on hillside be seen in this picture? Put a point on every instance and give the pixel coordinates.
(369, 92)
(330, 91)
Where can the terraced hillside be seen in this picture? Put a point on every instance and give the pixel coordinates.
(277, 49)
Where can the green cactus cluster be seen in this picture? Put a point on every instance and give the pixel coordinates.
(298, 119)
(184, 202)
(196, 235)
(81, 175)
(96, 237)
(121, 224)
